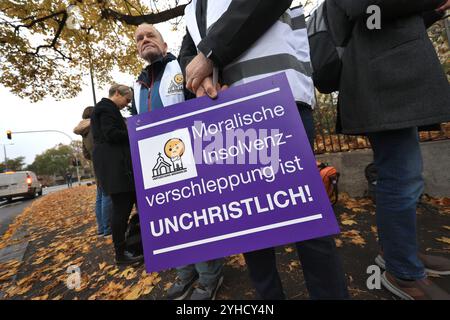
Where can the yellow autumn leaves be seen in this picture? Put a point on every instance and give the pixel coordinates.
(117, 290)
(62, 233)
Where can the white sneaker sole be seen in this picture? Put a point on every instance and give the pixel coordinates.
(382, 264)
(391, 288)
(188, 291)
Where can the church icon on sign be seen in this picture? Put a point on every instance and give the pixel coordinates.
(167, 158)
(174, 149)
(162, 167)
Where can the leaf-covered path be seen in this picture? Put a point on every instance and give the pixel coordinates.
(60, 231)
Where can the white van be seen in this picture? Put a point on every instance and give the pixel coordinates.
(19, 184)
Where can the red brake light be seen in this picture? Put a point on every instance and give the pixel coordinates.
(29, 180)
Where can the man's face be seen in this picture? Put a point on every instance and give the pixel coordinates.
(149, 43)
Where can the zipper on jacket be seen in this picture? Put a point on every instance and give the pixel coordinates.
(150, 88)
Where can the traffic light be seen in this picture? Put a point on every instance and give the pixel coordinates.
(8, 134)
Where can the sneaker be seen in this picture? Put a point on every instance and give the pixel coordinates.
(107, 235)
(433, 264)
(203, 293)
(422, 289)
(180, 290)
(127, 258)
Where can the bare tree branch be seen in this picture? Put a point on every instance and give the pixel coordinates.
(152, 18)
(33, 22)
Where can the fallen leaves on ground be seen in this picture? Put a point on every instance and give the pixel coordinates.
(295, 264)
(62, 233)
(443, 203)
(355, 211)
(444, 239)
(338, 242)
(348, 222)
(289, 249)
(8, 269)
(236, 261)
(354, 237)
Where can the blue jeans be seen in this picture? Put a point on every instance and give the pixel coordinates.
(208, 272)
(103, 212)
(398, 160)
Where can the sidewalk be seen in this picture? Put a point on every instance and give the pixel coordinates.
(59, 230)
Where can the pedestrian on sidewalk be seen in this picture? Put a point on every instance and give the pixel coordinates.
(248, 40)
(103, 203)
(68, 179)
(392, 83)
(112, 164)
(163, 79)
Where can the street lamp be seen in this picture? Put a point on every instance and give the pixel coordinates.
(57, 131)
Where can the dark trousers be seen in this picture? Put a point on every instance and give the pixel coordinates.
(322, 266)
(322, 269)
(122, 206)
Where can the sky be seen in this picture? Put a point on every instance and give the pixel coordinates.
(18, 114)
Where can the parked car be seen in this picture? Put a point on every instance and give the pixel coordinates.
(19, 184)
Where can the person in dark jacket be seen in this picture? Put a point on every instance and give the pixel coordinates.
(69, 179)
(392, 83)
(233, 43)
(112, 164)
(103, 204)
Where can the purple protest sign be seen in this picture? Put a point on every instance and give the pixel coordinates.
(226, 176)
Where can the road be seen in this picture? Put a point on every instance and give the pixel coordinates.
(9, 211)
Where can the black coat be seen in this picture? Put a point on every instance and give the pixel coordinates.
(111, 156)
(242, 24)
(391, 78)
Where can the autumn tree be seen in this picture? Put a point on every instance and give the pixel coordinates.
(48, 46)
(54, 161)
(439, 34)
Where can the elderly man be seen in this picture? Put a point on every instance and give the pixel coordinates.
(159, 85)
